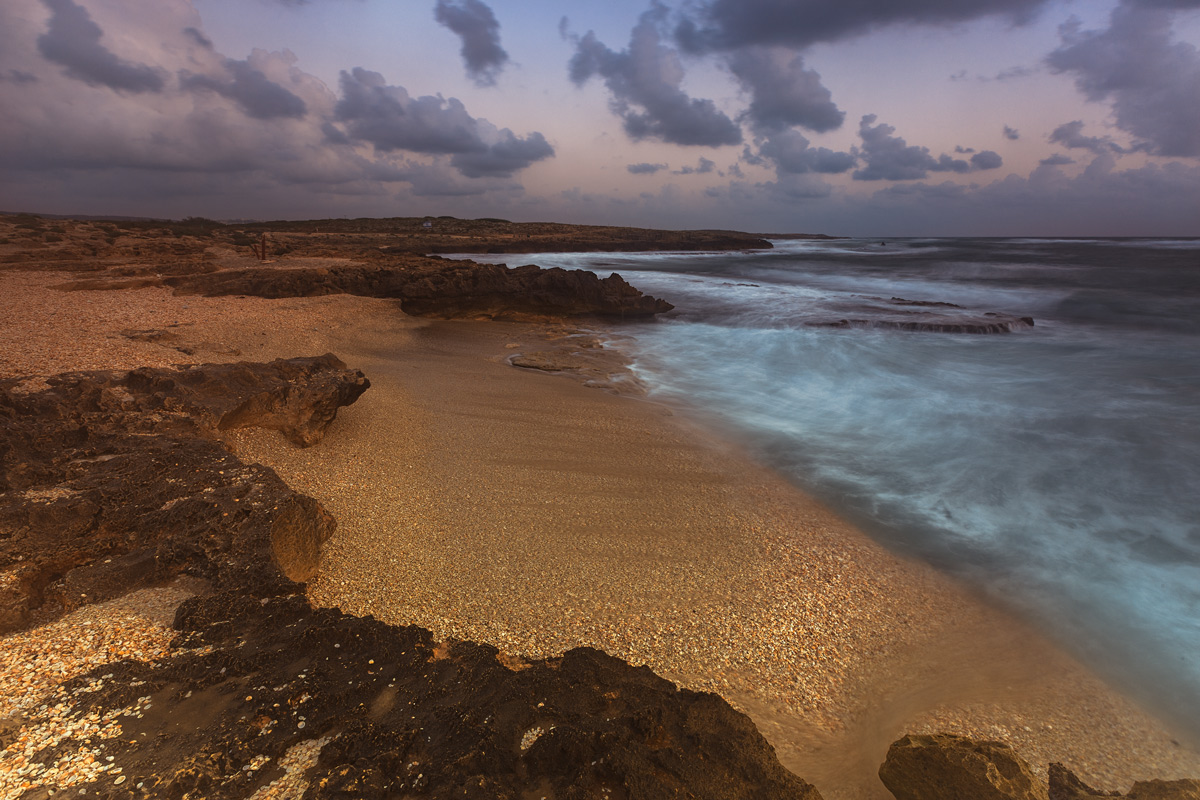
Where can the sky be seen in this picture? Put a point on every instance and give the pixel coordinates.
(871, 118)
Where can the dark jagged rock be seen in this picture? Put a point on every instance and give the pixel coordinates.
(1064, 785)
(408, 716)
(947, 767)
(111, 481)
(436, 288)
(114, 480)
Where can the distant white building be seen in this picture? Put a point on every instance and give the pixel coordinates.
(427, 223)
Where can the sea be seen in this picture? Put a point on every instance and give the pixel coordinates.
(1052, 463)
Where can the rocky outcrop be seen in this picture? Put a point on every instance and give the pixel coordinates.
(114, 480)
(111, 481)
(1064, 785)
(433, 287)
(394, 713)
(947, 767)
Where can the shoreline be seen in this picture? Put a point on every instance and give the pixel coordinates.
(894, 645)
(708, 562)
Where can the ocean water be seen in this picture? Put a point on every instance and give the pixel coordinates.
(1055, 467)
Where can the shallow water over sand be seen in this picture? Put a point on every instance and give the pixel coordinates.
(1055, 467)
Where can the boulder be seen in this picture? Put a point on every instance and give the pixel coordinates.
(1065, 785)
(948, 767)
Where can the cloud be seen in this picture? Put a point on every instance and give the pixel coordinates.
(730, 24)
(219, 136)
(1070, 135)
(891, 158)
(390, 119)
(1056, 160)
(1012, 134)
(645, 168)
(504, 154)
(18, 76)
(783, 92)
(798, 187)
(703, 167)
(791, 154)
(644, 82)
(479, 30)
(1152, 81)
(73, 40)
(986, 159)
(254, 92)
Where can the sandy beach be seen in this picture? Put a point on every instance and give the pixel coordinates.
(536, 513)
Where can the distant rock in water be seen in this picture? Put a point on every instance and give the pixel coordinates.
(920, 315)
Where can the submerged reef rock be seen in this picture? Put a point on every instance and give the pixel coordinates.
(433, 287)
(919, 315)
(110, 481)
(947, 767)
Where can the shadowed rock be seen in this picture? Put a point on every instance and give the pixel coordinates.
(114, 480)
(406, 716)
(947, 767)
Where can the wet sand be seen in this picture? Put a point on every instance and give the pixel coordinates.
(527, 510)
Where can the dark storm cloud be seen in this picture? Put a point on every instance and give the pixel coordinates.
(1152, 81)
(790, 153)
(479, 30)
(783, 92)
(1012, 134)
(645, 168)
(891, 158)
(728, 24)
(73, 40)
(644, 82)
(388, 118)
(1070, 135)
(256, 94)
